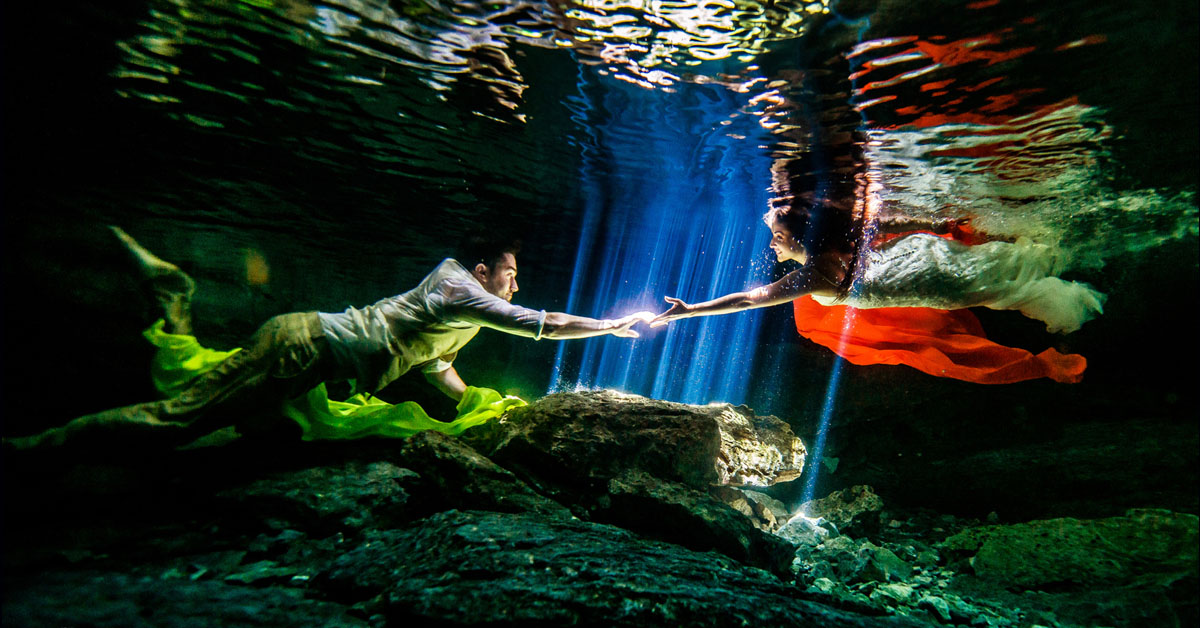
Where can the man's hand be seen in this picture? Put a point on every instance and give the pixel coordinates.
(622, 325)
(678, 310)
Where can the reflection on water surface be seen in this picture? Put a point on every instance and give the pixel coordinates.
(646, 139)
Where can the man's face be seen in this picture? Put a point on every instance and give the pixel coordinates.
(501, 278)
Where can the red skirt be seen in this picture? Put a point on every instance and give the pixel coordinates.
(945, 343)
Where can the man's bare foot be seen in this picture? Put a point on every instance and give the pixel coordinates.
(167, 283)
(150, 264)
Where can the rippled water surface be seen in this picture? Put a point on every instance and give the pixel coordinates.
(636, 143)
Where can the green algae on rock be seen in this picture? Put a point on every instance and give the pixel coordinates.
(1143, 546)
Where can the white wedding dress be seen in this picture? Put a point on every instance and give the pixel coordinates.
(923, 270)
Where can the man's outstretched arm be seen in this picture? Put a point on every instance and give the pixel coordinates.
(448, 382)
(471, 303)
(562, 326)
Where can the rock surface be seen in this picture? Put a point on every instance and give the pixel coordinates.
(518, 569)
(1145, 546)
(584, 509)
(378, 532)
(651, 466)
(845, 507)
(107, 599)
(1140, 569)
(578, 439)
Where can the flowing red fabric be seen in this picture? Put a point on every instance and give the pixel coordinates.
(945, 343)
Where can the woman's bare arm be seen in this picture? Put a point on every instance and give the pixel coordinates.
(793, 285)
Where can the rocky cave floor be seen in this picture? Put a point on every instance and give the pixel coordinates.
(591, 509)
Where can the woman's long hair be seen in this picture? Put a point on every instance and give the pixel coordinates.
(821, 229)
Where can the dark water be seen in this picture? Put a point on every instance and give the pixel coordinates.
(341, 148)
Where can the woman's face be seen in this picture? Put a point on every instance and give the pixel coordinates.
(785, 245)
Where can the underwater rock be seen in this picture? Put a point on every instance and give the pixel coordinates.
(354, 494)
(893, 594)
(1151, 547)
(428, 530)
(843, 569)
(768, 509)
(766, 512)
(824, 585)
(346, 496)
(507, 569)
(1114, 607)
(120, 600)
(589, 437)
(738, 501)
(756, 450)
(852, 561)
(937, 605)
(455, 476)
(805, 531)
(652, 466)
(843, 508)
(676, 513)
(882, 564)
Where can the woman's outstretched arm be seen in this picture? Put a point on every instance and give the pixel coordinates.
(793, 285)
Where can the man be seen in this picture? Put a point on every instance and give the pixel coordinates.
(372, 346)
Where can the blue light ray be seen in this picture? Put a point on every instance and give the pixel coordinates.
(667, 212)
(818, 447)
(817, 451)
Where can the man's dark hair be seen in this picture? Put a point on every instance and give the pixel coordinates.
(485, 248)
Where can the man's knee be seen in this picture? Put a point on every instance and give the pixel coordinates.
(291, 342)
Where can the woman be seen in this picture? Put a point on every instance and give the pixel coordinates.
(902, 300)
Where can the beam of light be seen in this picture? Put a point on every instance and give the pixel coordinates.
(818, 446)
(672, 204)
(867, 203)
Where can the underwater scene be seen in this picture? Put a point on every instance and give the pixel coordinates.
(601, 313)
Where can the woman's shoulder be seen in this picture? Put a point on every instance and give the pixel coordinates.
(831, 271)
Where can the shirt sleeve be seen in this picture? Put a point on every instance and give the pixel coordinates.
(438, 365)
(467, 301)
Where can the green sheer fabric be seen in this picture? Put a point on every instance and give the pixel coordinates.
(322, 418)
(181, 358)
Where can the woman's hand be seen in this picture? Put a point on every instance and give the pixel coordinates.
(623, 324)
(679, 309)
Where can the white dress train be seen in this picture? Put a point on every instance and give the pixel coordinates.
(923, 270)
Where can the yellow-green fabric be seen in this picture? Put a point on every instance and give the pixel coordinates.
(181, 358)
(322, 418)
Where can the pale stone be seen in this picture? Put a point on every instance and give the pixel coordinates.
(842, 507)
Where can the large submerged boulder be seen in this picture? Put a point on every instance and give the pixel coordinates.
(589, 437)
(653, 466)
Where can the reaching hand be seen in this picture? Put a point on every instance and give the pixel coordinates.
(623, 324)
(679, 309)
